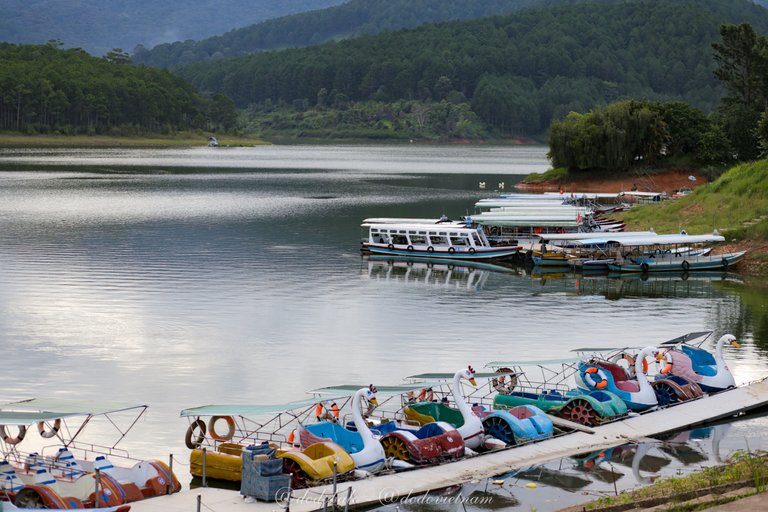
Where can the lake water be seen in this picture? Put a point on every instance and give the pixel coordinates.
(183, 277)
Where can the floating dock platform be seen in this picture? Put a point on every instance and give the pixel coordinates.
(388, 489)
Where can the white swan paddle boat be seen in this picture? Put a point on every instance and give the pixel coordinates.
(637, 393)
(364, 448)
(693, 362)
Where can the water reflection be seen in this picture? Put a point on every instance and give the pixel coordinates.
(177, 278)
(615, 286)
(470, 276)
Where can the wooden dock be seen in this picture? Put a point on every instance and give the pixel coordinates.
(390, 488)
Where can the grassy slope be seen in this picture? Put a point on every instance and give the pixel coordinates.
(735, 204)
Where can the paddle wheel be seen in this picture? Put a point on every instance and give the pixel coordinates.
(581, 411)
(395, 447)
(499, 428)
(299, 478)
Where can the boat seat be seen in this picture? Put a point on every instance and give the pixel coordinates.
(683, 366)
(702, 361)
(9, 480)
(352, 442)
(67, 465)
(630, 386)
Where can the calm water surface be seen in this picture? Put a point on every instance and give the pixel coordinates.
(183, 277)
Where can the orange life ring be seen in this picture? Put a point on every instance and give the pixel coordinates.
(230, 428)
(13, 440)
(666, 367)
(50, 433)
(592, 372)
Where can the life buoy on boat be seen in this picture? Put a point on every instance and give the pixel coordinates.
(390, 247)
(666, 366)
(50, 433)
(430, 249)
(472, 250)
(409, 248)
(725, 262)
(230, 428)
(13, 440)
(451, 250)
(644, 267)
(188, 438)
(595, 377)
(686, 265)
(628, 358)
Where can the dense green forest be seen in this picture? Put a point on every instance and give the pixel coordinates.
(101, 25)
(46, 89)
(515, 73)
(640, 133)
(351, 19)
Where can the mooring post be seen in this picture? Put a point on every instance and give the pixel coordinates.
(349, 497)
(169, 490)
(335, 463)
(204, 456)
(97, 481)
(199, 501)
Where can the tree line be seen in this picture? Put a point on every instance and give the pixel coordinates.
(350, 19)
(45, 89)
(630, 133)
(517, 72)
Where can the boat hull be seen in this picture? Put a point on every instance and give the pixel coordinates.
(679, 263)
(458, 253)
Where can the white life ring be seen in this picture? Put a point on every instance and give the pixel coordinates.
(595, 377)
(50, 433)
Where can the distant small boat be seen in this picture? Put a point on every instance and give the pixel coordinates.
(213, 142)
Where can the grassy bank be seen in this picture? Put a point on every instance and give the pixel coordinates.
(744, 475)
(736, 204)
(181, 139)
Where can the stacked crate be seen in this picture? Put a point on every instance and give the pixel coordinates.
(263, 476)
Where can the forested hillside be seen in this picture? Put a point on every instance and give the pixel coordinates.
(44, 89)
(351, 19)
(101, 25)
(517, 72)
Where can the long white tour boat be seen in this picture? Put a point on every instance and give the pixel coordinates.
(447, 241)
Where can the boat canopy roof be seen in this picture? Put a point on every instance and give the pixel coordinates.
(245, 409)
(461, 227)
(651, 240)
(351, 389)
(529, 221)
(26, 412)
(402, 220)
(582, 195)
(688, 337)
(449, 376)
(597, 235)
(534, 362)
